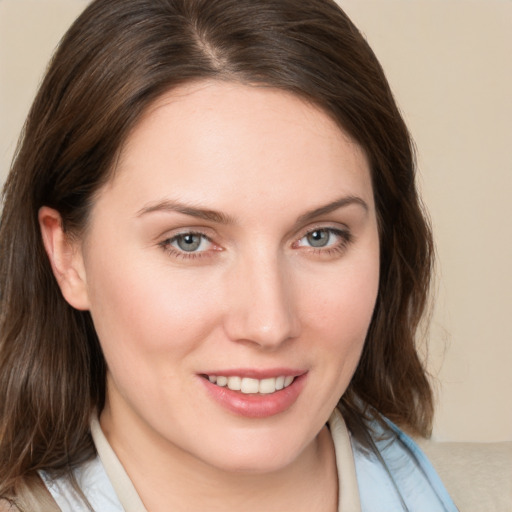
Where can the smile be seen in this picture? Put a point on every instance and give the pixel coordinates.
(244, 394)
(248, 385)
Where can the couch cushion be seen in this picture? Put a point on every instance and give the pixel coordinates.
(478, 476)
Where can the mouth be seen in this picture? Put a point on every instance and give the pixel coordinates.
(247, 385)
(244, 394)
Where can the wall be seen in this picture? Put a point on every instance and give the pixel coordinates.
(448, 62)
(449, 65)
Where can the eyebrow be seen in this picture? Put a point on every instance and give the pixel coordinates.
(168, 205)
(330, 207)
(174, 206)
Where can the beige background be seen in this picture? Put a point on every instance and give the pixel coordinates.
(449, 63)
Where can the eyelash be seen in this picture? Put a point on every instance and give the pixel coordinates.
(339, 247)
(173, 251)
(345, 238)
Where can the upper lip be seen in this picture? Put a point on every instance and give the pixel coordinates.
(257, 373)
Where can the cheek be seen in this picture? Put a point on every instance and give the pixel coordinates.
(346, 297)
(143, 311)
(338, 310)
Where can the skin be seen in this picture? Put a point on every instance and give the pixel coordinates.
(255, 294)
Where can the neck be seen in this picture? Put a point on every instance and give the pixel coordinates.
(167, 478)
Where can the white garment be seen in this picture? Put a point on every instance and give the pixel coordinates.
(395, 477)
(96, 486)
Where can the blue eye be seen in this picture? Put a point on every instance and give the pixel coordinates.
(319, 238)
(189, 242)
(325, 240)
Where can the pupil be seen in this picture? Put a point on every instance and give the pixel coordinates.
(318, 238)
(189, 242)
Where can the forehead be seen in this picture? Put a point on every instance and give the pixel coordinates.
(227, 138)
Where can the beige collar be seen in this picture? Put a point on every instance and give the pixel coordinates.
(118, 477)
(348, 493)
(348, 490)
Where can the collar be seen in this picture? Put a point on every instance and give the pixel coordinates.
(348, 493)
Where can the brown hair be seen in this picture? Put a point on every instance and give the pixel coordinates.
(115, 60)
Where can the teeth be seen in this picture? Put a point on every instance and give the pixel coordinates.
(235, 383)
(222, 381)
(247, 385)
(267, 386)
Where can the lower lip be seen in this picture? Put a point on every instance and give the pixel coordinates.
(256, 405)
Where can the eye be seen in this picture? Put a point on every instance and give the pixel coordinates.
(187, 244)
(325, 239)
(319, 238)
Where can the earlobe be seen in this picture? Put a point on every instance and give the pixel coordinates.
(65, 257)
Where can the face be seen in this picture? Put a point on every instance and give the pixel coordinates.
(231, 270)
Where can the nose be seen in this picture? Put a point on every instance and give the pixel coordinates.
(262, 306)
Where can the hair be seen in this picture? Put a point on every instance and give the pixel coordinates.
(113, 63)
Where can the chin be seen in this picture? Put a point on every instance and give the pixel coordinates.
(256, 465)
(252, 457)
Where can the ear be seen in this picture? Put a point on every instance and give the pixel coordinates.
(65, 257)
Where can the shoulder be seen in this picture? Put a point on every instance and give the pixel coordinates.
(31, 495)
(393, 471)
(87, 488)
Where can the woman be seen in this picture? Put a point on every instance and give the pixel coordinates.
(211, 239)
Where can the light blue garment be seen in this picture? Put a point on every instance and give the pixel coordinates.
(396, 475)
(94, 483)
